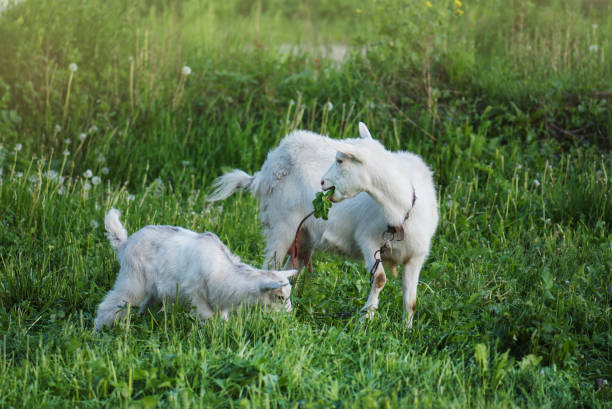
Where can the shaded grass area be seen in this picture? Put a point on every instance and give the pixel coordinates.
(514, 301)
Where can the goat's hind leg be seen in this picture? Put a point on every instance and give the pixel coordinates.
(125, 291)
(410, 280)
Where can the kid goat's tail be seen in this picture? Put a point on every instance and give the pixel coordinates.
(116, 233)
(228, 184)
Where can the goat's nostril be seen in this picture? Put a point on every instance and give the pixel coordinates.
(322, 183)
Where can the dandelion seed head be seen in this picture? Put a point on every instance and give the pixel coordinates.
(105, 171)
(18, 147)
(73, 67)
(86, 186)
(94, 224)
(329, 106)
(87, 174)
(595, 26)
(58, 128)
(96, 180)
(536, 182)
(67, 141)
(33, 179)
(185, 163)
(19, 175)
(93, 129)
(101, 158)
(130, 197)
(593, 48)
(61, 190)
(82, 136)
(66, 152)
(51, 174)
(186, 70)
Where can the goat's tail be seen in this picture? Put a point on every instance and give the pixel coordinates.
(228, 184)
(116, 233)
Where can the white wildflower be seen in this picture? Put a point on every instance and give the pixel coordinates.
(93, 129)
(67, 141)
(372, 105)
(33, 179)
(595, 26)
(73, 67)
(19, 175)
(82, 136)
(87, 174)
(58, 128)
(61, 190)
(291, 103)
(131, 58)
(536, 182)
(18, 147)
(593, 48)
(329, 106)
(101, 158)
(186, 70)
(96, 180)
(51, 174)
(105, 171)
(66, 152)
(130, 197)
(86, 186)
(94, 224)
(185, 163)
(519, 166)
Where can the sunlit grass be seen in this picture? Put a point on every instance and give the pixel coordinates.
(514, 300)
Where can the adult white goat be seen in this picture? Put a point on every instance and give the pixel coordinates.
(156, 261)
(387, 189)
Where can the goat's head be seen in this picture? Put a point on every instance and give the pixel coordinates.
(348, 174)
(275, 289)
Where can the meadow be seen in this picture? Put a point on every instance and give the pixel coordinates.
(140, 105)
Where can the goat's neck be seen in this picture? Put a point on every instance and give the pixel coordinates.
(392, 190)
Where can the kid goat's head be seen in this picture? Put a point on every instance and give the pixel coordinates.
(348, 174)
(275, 289)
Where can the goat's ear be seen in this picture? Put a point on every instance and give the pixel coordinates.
(266, 284)
(287, 273)
(364, 132)
(347, 156)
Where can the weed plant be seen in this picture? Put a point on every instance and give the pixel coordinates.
(509, 103)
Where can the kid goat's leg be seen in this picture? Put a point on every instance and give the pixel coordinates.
(410, 280)
(125, 291)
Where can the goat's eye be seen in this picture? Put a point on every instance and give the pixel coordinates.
(339, 161)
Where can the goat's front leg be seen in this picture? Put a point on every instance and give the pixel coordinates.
(378, 282)
(410, 280)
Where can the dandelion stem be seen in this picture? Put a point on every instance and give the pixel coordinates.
(67, 101)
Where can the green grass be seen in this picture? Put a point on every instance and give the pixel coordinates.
(514, 305)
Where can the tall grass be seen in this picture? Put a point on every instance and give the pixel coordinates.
(506, 101)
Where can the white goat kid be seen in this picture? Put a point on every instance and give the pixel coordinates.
(387, 189)
(156, 261)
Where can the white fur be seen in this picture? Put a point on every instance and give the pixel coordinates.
(382, 185)
(157, 260)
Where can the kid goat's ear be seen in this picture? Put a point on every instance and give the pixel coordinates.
(364, 132)
(270, 285)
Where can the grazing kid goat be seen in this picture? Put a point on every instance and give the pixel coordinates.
(388, 190)
(158, 261)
